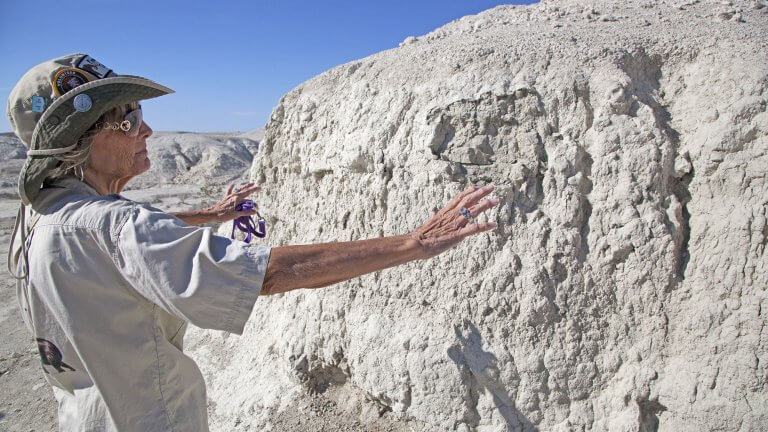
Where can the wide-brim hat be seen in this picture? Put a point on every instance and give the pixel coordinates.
(55, 102)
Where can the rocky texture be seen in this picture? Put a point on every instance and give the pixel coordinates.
(624, 288)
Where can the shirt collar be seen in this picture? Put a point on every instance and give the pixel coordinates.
(73, 184)
(59, 188)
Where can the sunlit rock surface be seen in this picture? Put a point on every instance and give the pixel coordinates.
(624, 288)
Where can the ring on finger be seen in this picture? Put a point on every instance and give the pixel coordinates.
(466, 213)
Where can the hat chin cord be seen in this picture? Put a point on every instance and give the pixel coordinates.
(49, 152)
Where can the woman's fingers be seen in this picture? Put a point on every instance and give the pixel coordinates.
(250, 189)
(230, 189)
(247, 189)
(483, 206)
(465, 198)
(473, 197)
(468, 197)
(475, 228)
(449, 226)
(455, 201)
(459, 235)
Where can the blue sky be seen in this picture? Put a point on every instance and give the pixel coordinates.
(229, 62)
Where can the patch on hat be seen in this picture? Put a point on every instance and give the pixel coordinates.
(38, 104)
(66, 79)
(90, 65)
(82, 102)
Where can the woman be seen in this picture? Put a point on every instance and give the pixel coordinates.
(108, 285)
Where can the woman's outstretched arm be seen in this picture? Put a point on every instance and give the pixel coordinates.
(323, 264)
(319, 265)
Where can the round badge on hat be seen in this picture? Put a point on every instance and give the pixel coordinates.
(66, 79)
(82, 102)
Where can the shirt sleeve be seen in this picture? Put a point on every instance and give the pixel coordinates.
(208, 280)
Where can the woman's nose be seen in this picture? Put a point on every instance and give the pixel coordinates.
(145, 131)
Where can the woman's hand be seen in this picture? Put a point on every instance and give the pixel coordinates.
(449, 227)
(224, 210)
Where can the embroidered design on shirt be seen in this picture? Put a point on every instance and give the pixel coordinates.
(51, 356)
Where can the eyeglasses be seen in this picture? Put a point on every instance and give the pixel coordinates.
(130, 125)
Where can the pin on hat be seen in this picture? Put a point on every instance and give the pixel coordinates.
(38, 104)
(55, 102)
(82, 102)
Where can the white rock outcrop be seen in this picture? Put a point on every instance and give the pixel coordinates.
(625, 287)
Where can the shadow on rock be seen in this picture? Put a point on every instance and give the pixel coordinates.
(480, 373)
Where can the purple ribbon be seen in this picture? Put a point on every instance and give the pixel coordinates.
(245, 223)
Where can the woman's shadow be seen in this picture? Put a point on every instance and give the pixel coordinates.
(480, 372)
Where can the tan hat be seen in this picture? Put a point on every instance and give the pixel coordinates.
(57, 101)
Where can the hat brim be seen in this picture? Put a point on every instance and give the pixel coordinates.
(61, 125)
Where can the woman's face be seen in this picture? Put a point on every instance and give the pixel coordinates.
(116, 155)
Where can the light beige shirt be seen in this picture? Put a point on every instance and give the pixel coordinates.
(112, 284)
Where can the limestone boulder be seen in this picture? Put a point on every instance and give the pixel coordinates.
(624, 288)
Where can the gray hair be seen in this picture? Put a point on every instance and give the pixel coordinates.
(75, 161)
